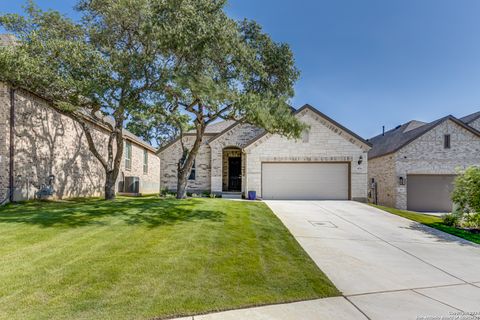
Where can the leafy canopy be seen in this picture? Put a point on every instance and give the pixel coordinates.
(467, 190)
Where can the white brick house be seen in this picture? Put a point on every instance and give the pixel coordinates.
(328, 162)
(414, 165)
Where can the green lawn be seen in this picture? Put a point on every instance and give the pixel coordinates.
(434, 222)
(147, 257)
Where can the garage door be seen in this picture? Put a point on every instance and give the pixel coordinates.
(429, 193)
(305, 181)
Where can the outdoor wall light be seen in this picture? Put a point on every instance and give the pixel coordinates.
(360, 160)
(401, 181)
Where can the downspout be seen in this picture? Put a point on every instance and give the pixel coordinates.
(11, 182)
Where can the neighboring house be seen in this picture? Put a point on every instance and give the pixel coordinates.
(49, 148)
(414, 165)
(327, 162)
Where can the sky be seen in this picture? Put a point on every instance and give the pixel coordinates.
(369, 63)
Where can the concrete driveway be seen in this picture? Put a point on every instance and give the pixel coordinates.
(386, 266)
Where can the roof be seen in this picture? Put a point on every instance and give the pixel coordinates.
(222, 127)
(315, 110)
(395, 139)
(217, 127)
(471, 117)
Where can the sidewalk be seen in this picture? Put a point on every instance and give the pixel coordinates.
(338, 308)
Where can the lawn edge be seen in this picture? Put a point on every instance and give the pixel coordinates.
(249, 306)
(459, 233)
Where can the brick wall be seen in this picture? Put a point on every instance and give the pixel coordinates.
(237, 137)
(48, 143)
(229, 153)
(150, 180)
(168, 166)
(382, 169)
(426, 155)
(326, 143)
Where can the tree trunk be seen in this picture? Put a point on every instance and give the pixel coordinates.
(110, 185)
(185, 167)
(182, 184)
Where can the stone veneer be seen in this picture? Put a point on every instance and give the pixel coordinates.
(425, 155)
(227, 154)
(238, 137)
(382, 170)
(4, 140)
(170, 157)
(326, 143)
(48, 143)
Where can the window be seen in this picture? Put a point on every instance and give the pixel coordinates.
(145, 161)
(446, 141)
(192, 172)
(305, 136)
(128, 155)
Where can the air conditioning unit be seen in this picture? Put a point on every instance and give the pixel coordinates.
(132, 184)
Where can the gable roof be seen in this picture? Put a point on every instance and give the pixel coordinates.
(471, 117)
(227, 125)
(395, 139)
(315, 110)
(216, 127)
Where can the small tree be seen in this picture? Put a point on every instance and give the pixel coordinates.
(97, 70)
(225, 69)
(467, 190)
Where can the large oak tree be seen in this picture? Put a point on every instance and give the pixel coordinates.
(98, 69)
(221, 68)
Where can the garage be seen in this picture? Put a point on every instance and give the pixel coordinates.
(305, 181)
(430, 193)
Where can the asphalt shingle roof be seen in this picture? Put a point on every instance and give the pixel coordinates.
(471, 117)
(393, 140)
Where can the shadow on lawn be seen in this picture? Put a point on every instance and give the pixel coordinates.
(151, 212)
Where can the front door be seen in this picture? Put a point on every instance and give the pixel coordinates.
(235, 174)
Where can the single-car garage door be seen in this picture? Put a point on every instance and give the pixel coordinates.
(430, 193)
(305, 181)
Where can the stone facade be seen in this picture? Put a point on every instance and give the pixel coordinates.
(425, 155)
(327, 143)
(382, 170)
(238, 137)
(227, 154)
(47, 143)
(4, 141)
(170, 157)
(149, 180)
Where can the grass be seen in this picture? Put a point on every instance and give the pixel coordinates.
(146, 258)
(434, 222)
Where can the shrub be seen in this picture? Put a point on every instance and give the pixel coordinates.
(452, 220)
(467, 190)
(472, 221)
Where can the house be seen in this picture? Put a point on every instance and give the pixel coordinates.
(40, 147)
(413, 166)
(327, 162)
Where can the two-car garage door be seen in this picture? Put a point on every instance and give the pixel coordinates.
(305, 181)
